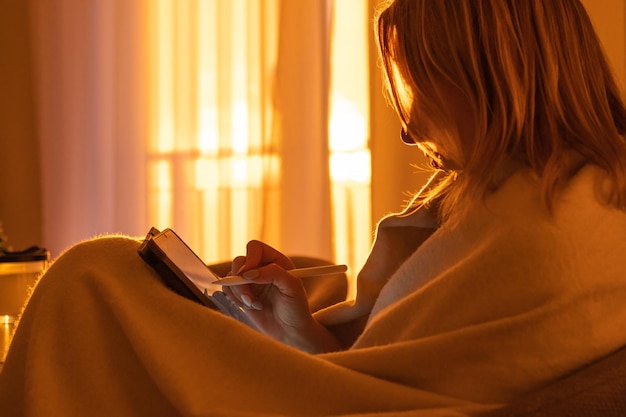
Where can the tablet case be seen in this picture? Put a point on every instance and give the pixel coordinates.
(174, 277)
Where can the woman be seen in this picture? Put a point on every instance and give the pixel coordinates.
(505, 273)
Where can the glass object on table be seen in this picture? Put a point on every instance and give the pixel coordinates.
(18, 274)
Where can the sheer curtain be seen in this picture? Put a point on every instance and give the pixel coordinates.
(207, 116)
(239, 115)
(90, 61)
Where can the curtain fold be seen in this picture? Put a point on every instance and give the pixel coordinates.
(302, 201)
(159, 113)
(91, 114)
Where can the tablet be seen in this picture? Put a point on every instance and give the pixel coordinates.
(185, 273)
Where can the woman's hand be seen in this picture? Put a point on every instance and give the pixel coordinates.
(276, 301)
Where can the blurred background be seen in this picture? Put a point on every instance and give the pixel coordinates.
(227, 120)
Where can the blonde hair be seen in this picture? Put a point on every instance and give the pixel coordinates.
(533, 74)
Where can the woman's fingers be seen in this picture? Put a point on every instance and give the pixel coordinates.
(243, 296)
(271, 288)
(268, 285)
(259, 254)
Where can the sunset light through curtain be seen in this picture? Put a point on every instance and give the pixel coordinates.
(226, 120)
(212, 60)
(350, 162)
(215, 156)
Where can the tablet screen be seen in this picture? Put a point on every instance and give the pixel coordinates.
(187, 261)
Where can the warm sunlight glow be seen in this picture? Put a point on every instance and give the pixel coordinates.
(213, 172)
(206, 167)
(161, 205)
(350, 167)
(348, 124)
(165, 129)
(208, 135)
(239, 173)
(208, 140)
(350, 157)
(240, 127)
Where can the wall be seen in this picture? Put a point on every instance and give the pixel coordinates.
(609, 19)
(20, 201)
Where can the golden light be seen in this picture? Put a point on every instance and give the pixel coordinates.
(350, 162)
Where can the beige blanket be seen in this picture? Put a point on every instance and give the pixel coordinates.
(481, 312)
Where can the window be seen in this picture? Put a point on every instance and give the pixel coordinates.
(209, 117)
(209, 161)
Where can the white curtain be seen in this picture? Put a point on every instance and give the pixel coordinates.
(90, 92)
(147, 118)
